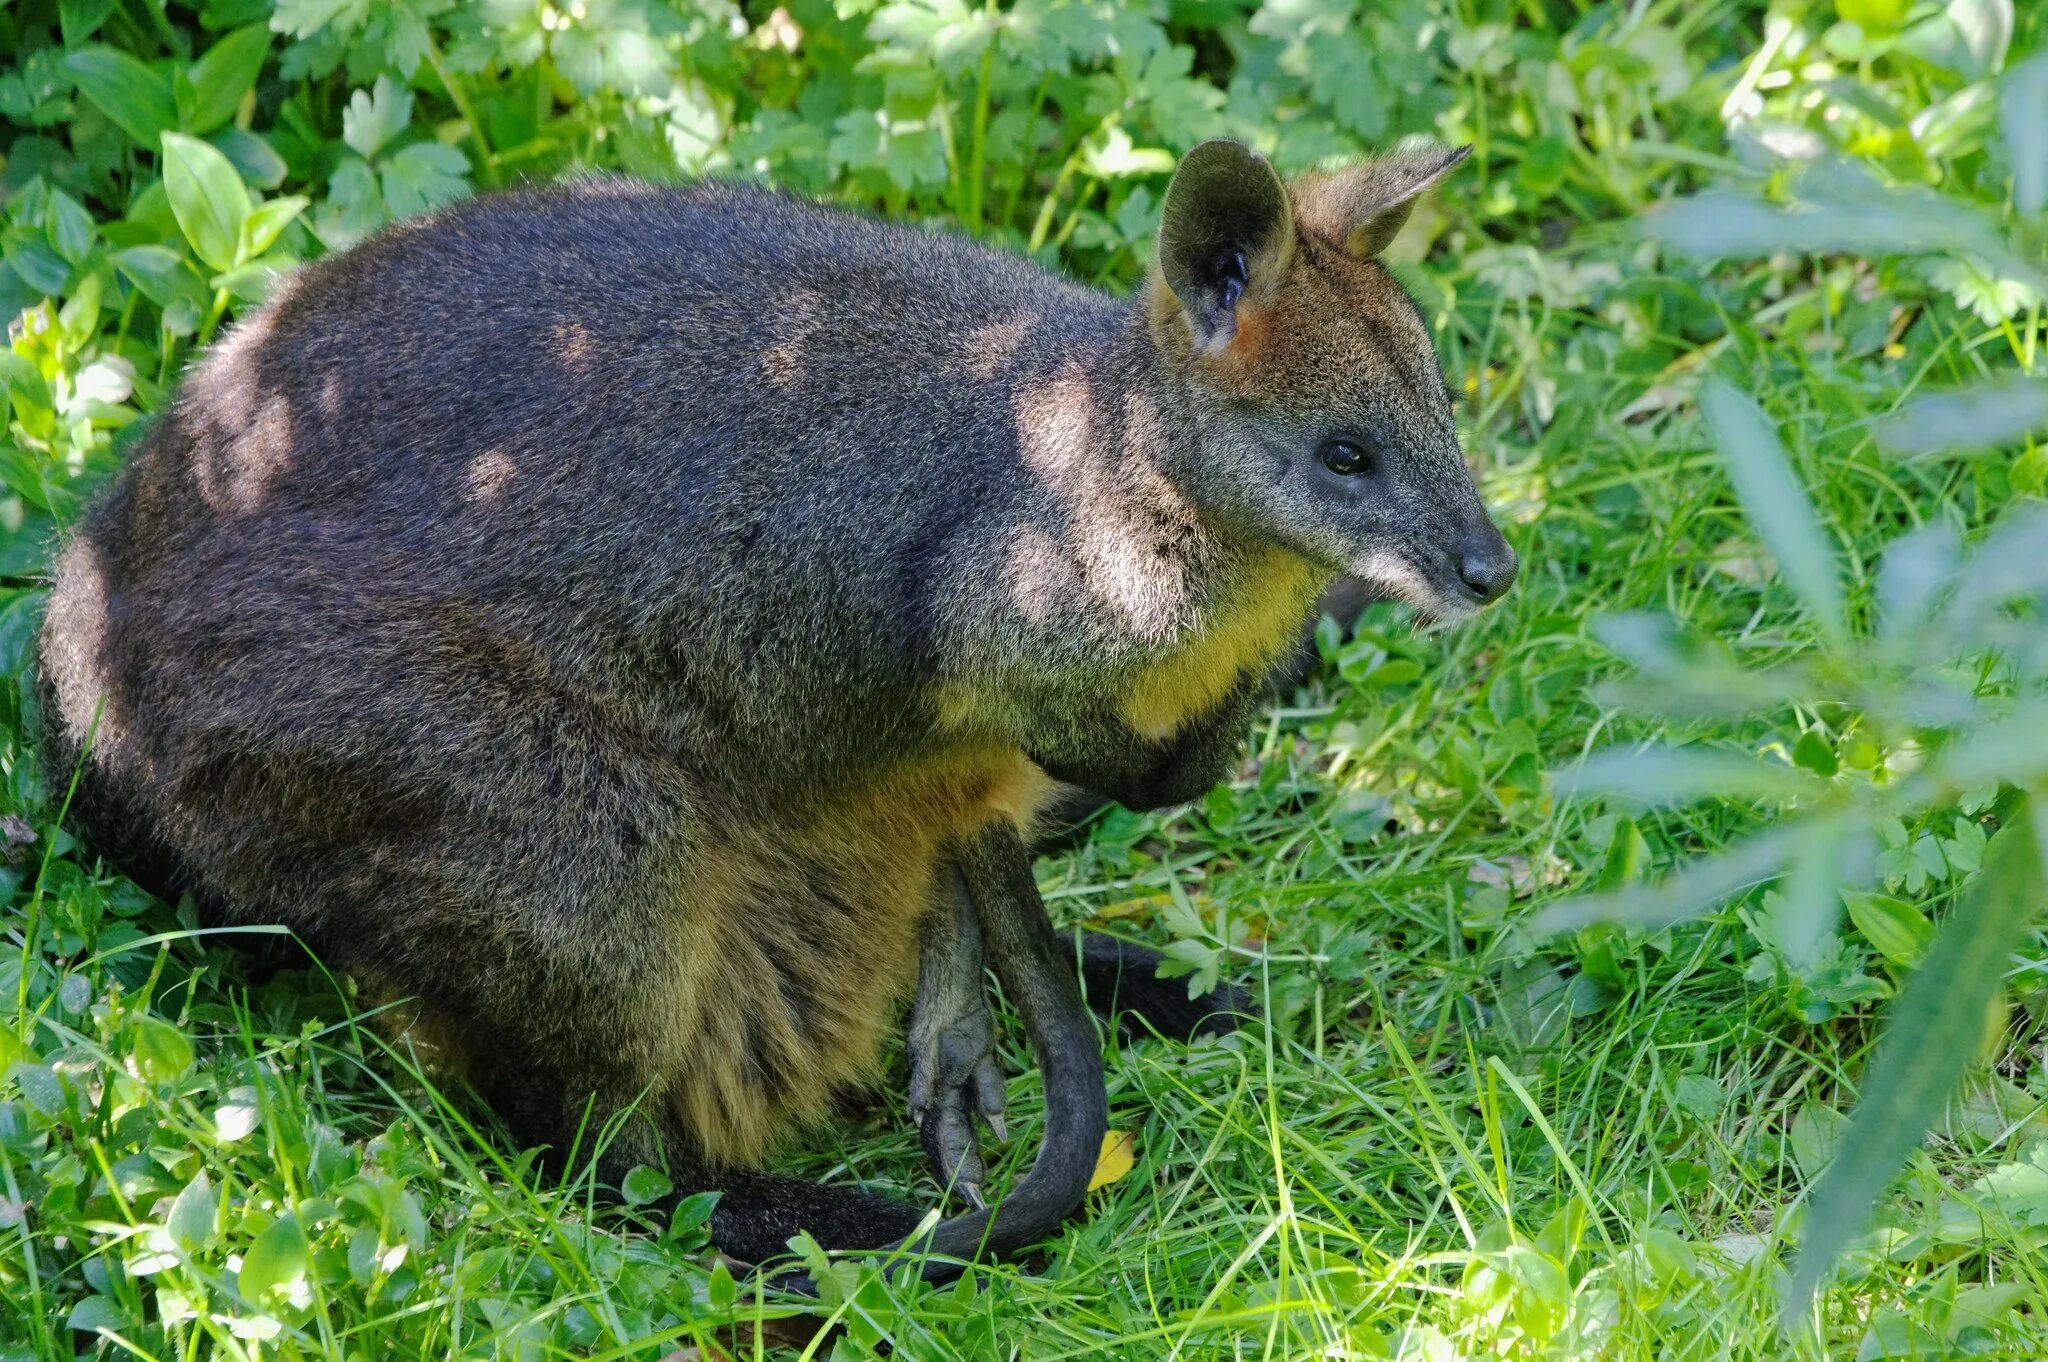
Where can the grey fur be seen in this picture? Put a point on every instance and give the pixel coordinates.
(618, 617)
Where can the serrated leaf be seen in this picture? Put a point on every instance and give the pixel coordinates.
(136, 99)
(207, 198)
(375, 116)
(1777, 505)
(424, 175)
(1931, 1035)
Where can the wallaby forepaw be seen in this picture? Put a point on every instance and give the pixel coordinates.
(954, 1080)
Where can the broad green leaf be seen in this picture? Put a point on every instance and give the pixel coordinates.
(1776, 503)
(207, 197)
(94, 1313)
(71, 230)
(643, 1185)
(252, 281)
(80, 19)
(1815, 753)
(162, 1051)
(137, 99)
(26, 386)
(275, 1265)
(163, 275)
(79, 319)
(256, 159)
(262, 227)
(1931, 1035)
(192, 1213)
(1895, 928)
(209, 93)
(720, 1290)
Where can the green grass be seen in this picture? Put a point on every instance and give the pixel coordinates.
(1451, 1136)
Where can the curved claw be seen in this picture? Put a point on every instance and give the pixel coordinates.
(944, 1103)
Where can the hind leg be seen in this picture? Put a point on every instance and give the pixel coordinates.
(952, 1041)
(1122, 981)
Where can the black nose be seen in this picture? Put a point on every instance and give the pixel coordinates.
(1488, 568)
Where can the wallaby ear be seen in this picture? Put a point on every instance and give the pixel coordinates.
(1360, 208)
(1225, 231)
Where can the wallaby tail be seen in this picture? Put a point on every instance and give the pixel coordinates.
(1037, 972)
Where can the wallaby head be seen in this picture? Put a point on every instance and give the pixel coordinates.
(1325, 424)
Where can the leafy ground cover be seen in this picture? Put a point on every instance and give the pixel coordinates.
(1480, 1120)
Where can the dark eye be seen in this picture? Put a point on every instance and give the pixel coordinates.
(1347, 458)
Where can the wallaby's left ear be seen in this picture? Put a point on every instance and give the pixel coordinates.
(1360, 208)
(1225, 233)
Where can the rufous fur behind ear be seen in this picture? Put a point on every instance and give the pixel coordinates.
(1359, 209)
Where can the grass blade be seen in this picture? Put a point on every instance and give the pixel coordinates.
(1930, 1037)
(1776, 503)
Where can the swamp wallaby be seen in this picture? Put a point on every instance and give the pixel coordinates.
(639, 624)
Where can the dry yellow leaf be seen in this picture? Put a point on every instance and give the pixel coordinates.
(1119, 1155)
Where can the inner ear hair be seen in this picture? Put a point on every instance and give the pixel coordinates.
(1360, 208)
(1226, 233)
